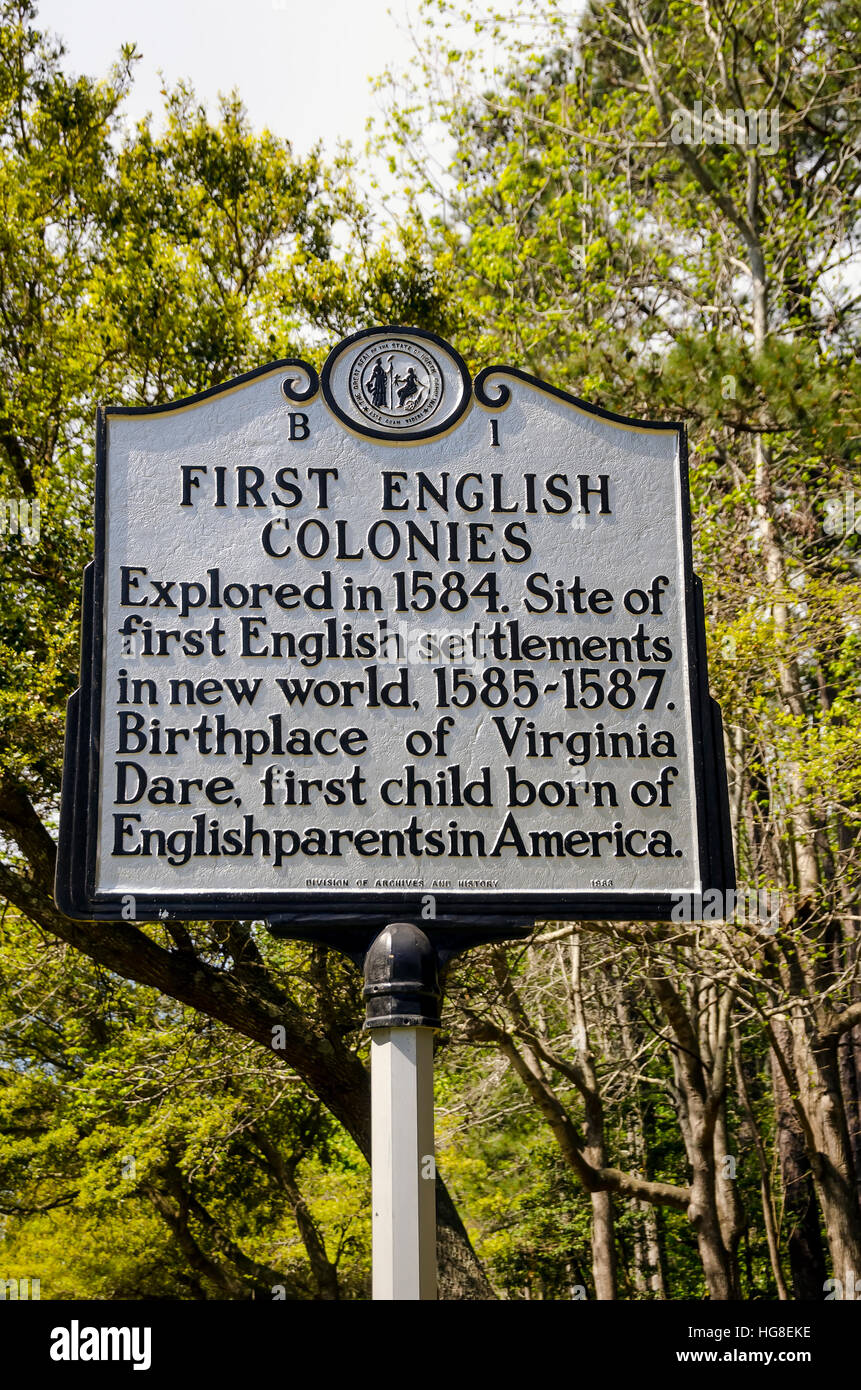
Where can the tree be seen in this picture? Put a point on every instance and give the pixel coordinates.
(140, 267)
(658, 209)
(130, 1122)
(687, 1095)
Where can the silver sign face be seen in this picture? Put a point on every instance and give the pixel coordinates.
(390, 638)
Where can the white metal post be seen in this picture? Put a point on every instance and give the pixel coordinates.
(403, 1171)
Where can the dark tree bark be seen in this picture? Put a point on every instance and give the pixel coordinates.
(283, 1170)
(800, 1209)
(764, 1175)
(701, 1091)
(232, 1273)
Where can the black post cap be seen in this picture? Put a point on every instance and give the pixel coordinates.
(401, 979)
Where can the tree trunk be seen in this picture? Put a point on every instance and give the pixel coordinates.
(849, 1061)
(765, 1195)
(699, 1098)
(323, 1271)
(833, 1169)
(800, 1210)
(604, 1258)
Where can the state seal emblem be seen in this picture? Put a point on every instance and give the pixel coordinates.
(396, 383)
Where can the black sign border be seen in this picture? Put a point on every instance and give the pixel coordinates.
(297, 913)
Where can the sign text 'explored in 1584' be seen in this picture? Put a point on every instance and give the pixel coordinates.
(357, 643)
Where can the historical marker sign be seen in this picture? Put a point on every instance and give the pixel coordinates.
(390, 635)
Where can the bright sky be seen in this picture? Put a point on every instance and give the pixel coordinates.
(302, 67)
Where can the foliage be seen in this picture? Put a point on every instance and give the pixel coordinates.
(637, 1112)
